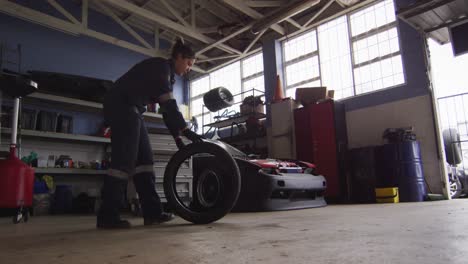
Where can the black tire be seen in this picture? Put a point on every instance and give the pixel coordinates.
(230, 187)
(453, 152)
(217, 99)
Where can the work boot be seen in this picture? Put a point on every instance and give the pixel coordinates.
(146, 187)
(112, 194)
(164, 217)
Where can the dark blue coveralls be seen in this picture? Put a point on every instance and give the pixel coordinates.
(131, 149)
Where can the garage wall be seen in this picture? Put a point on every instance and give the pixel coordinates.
(408, 105)
(368, 115)
(46, 49)
(272, 52)
(50, 50)
(365, 127)
(417, 84)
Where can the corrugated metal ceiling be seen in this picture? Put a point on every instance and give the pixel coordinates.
(217, 19)
(433, 17)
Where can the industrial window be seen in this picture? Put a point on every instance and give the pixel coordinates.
(301, 62)
(252, 75)
(335, 57)
(352, 54)
(377, 59)
(252, 65)
(198, 88)
(228, 77)
(238, 77)
(253, 83)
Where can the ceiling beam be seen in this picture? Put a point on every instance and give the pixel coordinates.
(164, 32)
(208, 29)
(62, 11)
(282, 14)
(420, 8)
(174, 13)
(201, 30)
(123, 24)
(414, 9)
(161, 34)
(32, 15)
(55, 23)
(218, 10)
(167, 23)
(162, 21)
(156, 38)
(130, 15)
(265, 3)
(319, 12)
(192, 12)
(216, 43)
(341, 4)
(254, 41)
(297, 32)
(446, 24)
(217, 58)
(84, 13)
(242, 7)
(294, 23)
(316, 23)
(273, 4)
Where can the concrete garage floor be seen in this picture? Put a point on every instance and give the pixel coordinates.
(432, 232)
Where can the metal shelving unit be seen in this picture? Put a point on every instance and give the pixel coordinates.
(235, 120)
(70, 171)
(67, 100)
(162, 144)
(238, 118)
(224, 122)
(61, 136)
(78, 104)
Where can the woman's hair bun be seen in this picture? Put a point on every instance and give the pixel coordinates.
(183, 49)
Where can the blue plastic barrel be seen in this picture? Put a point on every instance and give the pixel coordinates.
(411, 183)
(399, 165)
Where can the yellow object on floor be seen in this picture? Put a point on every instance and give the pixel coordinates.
(387, 195)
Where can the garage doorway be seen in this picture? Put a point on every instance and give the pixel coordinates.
(450, 84)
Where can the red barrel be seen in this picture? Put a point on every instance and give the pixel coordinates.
(17, 181)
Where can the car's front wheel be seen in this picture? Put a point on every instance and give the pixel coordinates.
(455, 187)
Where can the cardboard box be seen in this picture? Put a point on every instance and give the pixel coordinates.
(311, 95)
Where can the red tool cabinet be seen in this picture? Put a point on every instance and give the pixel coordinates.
(321, 139)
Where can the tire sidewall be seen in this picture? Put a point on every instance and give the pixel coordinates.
(231, 182)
